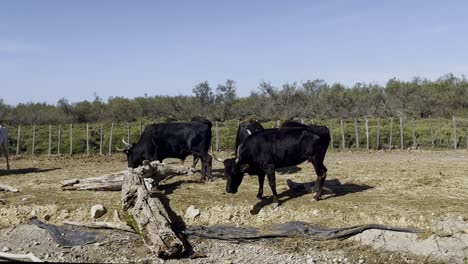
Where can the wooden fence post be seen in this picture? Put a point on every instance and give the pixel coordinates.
(238, 123)
(141, 129)
(100, 141)
(302, 121)
(440, 133)
(331, 133)
(401, 133)
(18, 140)
(455, 139)
(367, 134)
(87, 139)
(378, 133)
(415, 144)
(391, 133)
(357, 132)
(71, 139)
(432, 132)
(217, 136)
(50, 141)
(110, 138)
(33, 139)
(277, 124)
(342, 135)
(59, 139)
(128, 132)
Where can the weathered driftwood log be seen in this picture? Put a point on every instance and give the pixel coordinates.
(113, 182)
(148, 215)
(19, 257)
(6, 188)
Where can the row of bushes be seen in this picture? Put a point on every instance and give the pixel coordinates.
(442, 130)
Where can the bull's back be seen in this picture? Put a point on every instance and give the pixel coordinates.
(280, 147)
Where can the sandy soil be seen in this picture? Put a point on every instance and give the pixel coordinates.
(422, 189)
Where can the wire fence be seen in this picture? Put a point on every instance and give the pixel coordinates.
(359, 134)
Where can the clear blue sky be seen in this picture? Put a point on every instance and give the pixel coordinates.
(73, 49)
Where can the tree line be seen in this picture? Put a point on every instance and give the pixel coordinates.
(418, 98)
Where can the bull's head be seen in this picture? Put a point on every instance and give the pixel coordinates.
(233, 174)
(134, 157)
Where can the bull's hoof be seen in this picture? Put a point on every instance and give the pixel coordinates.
(316, 198)
(260, 196)
(275, 205)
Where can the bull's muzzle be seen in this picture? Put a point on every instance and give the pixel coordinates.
(231, 190)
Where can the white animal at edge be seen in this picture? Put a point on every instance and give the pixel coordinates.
(4, 144)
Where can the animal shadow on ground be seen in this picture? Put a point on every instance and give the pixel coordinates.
(288, 170)
(25, 171)
(169, 188)
(177, 222)
(333, 187)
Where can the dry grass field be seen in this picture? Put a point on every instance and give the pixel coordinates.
(420, 189)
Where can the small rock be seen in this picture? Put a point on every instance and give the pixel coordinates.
(97, 211)
(47, 217)
(24, 199)
(35, 243)
(33, 212)
(192, 212)
(360, 261)
(6, 249)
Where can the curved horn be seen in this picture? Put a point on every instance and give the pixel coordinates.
(119, 149)
(248, 132)
(212, 153)
(237, 153)
(125, 143)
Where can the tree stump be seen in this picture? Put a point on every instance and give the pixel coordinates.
(148, 215)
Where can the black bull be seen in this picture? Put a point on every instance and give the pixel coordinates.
(264, 151)
(173, 140)
(246, 129)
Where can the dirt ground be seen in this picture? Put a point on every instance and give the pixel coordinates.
(427, 190)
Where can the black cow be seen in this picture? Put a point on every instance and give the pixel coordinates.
(264, 151)
(246, 129)
(173, 140)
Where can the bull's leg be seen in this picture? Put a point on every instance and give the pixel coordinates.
(209, 165)
(6, 152)
(321, 172)
(270, 172)
(206, 162)
(261, 180)
(195, 161)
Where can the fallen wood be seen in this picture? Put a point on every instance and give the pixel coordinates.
(19, 257)
(102, 225)
(148, 215)
(113, 182)
(6, 188)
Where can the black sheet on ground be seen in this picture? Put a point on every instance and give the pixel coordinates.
(69, 235)
(290, 229)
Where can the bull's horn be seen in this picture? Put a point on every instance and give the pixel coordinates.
(248, 132)
(238, 150)
(212, 153)
(125, 143)
(119, 149)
